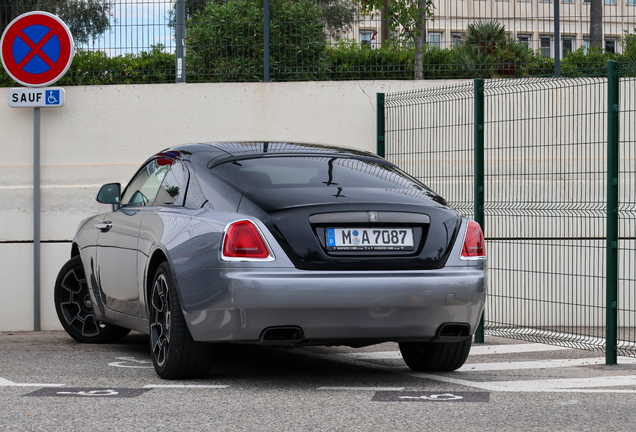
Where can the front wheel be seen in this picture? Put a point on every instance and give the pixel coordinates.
(174, 353)
(435, 357)
(74, 307)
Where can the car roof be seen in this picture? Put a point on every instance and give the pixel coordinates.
(256, 149)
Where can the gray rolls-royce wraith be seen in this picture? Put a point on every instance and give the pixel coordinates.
(279, 244)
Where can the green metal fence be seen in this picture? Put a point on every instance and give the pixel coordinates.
(557, 153)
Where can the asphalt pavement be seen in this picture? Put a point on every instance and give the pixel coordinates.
(49, 382)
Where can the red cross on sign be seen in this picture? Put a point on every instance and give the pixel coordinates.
(36, 49)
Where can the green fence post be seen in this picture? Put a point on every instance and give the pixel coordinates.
(611, 248)
(381, 120)
(479, 175)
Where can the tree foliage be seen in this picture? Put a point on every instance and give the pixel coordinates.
(227, 40)
(338, 15)
(407, 21)
(86, 19)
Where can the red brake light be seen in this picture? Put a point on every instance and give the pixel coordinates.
(243, 240)
(474, 242)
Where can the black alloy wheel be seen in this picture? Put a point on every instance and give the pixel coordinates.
(74, 307)
(175, 354)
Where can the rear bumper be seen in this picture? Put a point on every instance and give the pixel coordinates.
(330, 306)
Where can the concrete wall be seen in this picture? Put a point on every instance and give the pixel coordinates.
(103, 134)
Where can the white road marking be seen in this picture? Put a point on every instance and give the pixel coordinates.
(124, 360)
(7, 383)
(566, 385)
(186, 386)
(539, 364)
(361, 388)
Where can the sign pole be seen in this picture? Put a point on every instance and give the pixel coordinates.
(36, 50)
(36, 219)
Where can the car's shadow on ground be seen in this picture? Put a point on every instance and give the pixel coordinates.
(255, 362)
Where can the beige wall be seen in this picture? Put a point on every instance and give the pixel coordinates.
(103, 134)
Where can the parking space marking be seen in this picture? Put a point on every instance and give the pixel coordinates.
(564, 385)
(131, 362)
(91, 393)
(538, 364)
(343, 388)
(186, 386)
(415, 396)
(7, 383)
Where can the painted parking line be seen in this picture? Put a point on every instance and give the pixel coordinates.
(565, 385)
(185, 386)
(7, 383)
(344, 388)
(538, 364)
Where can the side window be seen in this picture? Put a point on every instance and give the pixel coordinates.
(173, 188)
(144, 187)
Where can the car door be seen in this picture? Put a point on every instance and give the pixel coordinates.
(118, 240)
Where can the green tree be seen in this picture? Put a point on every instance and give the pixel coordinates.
(86, 19)
(226, 41)
(407, 20)
(338, 15)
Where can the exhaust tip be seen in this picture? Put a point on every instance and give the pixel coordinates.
(453, 330)
(289, 335)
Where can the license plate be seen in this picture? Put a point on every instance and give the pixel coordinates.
(371, 239)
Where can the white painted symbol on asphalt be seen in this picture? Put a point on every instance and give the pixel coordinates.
(108, 392)
(125, 363)
(439, 397)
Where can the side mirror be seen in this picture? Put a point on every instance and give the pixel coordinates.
(110, 194)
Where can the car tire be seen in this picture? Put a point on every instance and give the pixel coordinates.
(435, 356)
(175, 354)
(74, 307)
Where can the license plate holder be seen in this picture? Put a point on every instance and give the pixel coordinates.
(370, 239)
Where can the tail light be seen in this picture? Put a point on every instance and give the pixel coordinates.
(474, 246)
(244, 241)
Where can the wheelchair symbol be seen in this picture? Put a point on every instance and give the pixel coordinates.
(53, 97)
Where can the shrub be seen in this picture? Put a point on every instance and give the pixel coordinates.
(350, 60)
(226, 42)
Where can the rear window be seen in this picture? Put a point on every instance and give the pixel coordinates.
(284, 172)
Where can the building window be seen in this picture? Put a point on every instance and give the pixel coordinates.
(586, 44)
(586, 1)
(567, 46)
(631, 3)
(524, 39)
(545, 43)
(435, 39)
(610, 2)
(368, 38)
(457, 38)
(610, 45)
(566, 1)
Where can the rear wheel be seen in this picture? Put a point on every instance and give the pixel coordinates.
(174, 353)
(435, 357)
(74, 307)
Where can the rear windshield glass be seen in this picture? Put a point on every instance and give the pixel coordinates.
(283, 172)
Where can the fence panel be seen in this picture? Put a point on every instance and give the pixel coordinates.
(545, 209)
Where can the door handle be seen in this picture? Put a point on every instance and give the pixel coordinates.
(104, 226)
